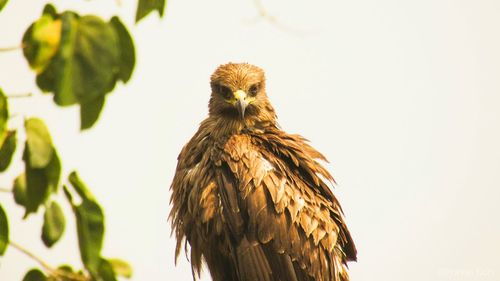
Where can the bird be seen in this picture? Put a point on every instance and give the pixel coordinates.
(251, 201)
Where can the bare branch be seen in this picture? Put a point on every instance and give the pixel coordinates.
(25, 251)
(54, 272)
(17, 96)
(13, 48)
(264, 14)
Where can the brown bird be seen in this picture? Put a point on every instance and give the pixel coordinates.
(250, 199)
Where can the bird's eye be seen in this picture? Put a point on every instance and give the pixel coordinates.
(224, 91)
(254, 89)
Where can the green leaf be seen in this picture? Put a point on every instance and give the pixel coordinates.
(34, 275)
(89, 59)
(19, 190)
(90, 111)
(90, 228)
(38, 143)
(41, 42)
(79, 58)
(127, 49)
(80, 187)
(55, 78)
(2, 4)
(53, 172)
(7, 150)
(89, 223)
(145, 7)
(68, 196)
(65, 268)
(4, 112)
(4, 231)
(121, 267)
(40, 183)
(106, 272)
(72, 275)
(53, 224)
(37, 188)
(49, 9)
(87, 62)
(42, 165)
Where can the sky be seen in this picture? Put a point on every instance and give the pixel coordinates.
(402, 97)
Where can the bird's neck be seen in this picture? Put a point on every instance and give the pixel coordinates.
(222, 127)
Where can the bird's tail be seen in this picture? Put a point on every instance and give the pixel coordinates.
(341, 273)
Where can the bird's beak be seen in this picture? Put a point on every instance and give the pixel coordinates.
(241, 102)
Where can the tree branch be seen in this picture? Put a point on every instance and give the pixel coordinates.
(6, 190)
(57, 273)
(264, 14)
(17, 96)
(13, 48)
(25, 251)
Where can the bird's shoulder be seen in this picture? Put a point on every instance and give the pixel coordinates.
(284, 151)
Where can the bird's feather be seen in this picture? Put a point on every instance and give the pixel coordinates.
(253, 202)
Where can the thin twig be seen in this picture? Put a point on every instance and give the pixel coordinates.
(54, 272)
(264, 14)
(17, 96)
(13, 48)
(6, 190)
(25, 251)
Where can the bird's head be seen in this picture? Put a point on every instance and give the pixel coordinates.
(238, 92)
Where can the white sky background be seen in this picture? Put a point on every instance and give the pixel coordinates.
(402, 96)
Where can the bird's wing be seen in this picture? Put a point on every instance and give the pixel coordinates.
(284, 222)
(194, 200)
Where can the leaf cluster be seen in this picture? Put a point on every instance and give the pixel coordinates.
(78, 59)
(36, 188)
